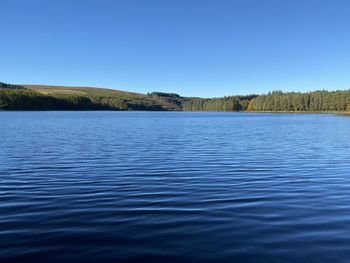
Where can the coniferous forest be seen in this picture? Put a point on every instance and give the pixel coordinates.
(36, 97)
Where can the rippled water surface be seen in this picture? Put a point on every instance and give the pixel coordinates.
(174, 187)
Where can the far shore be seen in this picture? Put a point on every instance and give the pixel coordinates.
(262, 112)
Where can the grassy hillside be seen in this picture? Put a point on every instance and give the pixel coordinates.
(44, 97)
(52, 90)
(107, 98)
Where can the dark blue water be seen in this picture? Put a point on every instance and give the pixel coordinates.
(174, 187)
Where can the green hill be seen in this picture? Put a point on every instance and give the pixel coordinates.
(44, 97)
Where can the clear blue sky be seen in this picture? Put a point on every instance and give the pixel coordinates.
(191, 47)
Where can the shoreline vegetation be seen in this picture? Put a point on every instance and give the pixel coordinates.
(43, 97)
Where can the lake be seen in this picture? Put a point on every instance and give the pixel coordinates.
(174, 187)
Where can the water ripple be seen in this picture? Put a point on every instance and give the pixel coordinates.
(174, 187)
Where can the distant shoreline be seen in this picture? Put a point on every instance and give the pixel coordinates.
(184, 111)
(59, 98)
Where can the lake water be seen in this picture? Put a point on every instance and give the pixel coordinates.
(174, 187)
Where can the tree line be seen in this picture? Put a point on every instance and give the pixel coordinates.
(229, 103)
(18, 99)
(316, 101)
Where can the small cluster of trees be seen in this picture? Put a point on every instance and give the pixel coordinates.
(10, 86)
(318, 101)
(170, 101)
